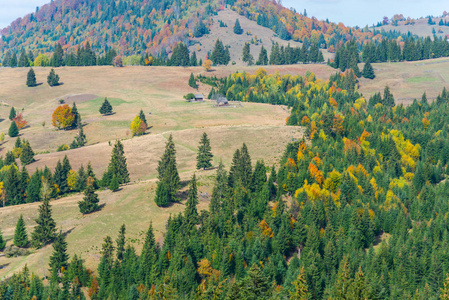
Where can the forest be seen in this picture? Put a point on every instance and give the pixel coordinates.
(356, 210)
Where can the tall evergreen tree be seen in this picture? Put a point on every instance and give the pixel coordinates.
(117, 165)
(12, 113)
(263, 57)
(57, 59)
(31, 78)
(121, 242)
(13, 130)
(2, 241)
(192, 81)
(142, 117)
(301, 291)
(90, 201)
(168, 175)
(204, 157)
(13, 61)
(45, 231)
(246, 55)
(191, 213)
(20, 234)
(368, 71)
(59, 258)
(27, 155)
(237, 28)
(23, 60)
(106, 107)
(53, 78)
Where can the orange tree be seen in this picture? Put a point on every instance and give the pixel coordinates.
(63, 117)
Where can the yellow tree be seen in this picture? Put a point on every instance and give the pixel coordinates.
(63, 117)
(72, 179)
(138, 127)
(207, 65)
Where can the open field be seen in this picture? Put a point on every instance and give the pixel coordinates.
(409, 80)
(155, 90)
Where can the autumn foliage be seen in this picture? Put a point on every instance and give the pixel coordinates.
(63, 117)
(20, 122)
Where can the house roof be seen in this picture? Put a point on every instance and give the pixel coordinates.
(199, 96)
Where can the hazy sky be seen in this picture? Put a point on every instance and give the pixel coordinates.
(350, 12)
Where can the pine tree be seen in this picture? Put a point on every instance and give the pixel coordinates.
(53, 78)
(13, 61)
(57, 58)
(13, 130)
(162, 197)
(204, 157)
(2, 241)
(168, 173)
(117, 165)
(106, 107)
(27, 155)
(59, 258)
(90, 201)
(237, 28)
(121, 242)
(31, 78)
(191, 213)
(76, 114)
(368, 71)
(263, 57)
(192, 81)
(301, 291)
(12, 113)
(23, 60)
(45, 231)
(142, 117)
(246, 55)
(20, 234)
(114, 185)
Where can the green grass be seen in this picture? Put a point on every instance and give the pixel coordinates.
(422, 79)
(94, 105)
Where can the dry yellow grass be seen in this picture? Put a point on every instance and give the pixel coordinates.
(409, 80)
(155, 90)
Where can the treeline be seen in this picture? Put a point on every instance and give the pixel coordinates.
(83, 56)
(387, 50)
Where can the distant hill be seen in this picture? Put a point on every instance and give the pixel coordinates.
(419, 27)
(151, 26)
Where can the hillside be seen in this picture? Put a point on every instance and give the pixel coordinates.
(158, 90)
(420, 28)
(144, 26)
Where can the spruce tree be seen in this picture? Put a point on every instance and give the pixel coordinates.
(13, 130)
(34, 187)
(12, 113)
(53, 78)
(2, 241)
(13, 61)
(246, 55)
(27, 155)
(204, 157)
(77, 120)
(301, 290)
(263, 57)
(90, 201)
(168, 175)
(192, 81)
(142, 117)
(31, 78)
(121, 242)
(237, 28)
(117, 165)
(59, 258)
(368, 71)
(106, 107)
(57, 59)
(114, 185)
(45, 231)
(20, 234)
(191, 213)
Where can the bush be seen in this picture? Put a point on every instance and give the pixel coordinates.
(63, 147)
(189, 96)
(14, 251)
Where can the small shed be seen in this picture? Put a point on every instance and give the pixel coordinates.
(199, 97)
(221, 101)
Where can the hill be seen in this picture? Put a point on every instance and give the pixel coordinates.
(158, 90)
(420, 27)
(154, 27)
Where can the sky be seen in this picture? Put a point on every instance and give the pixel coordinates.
(366, 12)
(350, 12)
